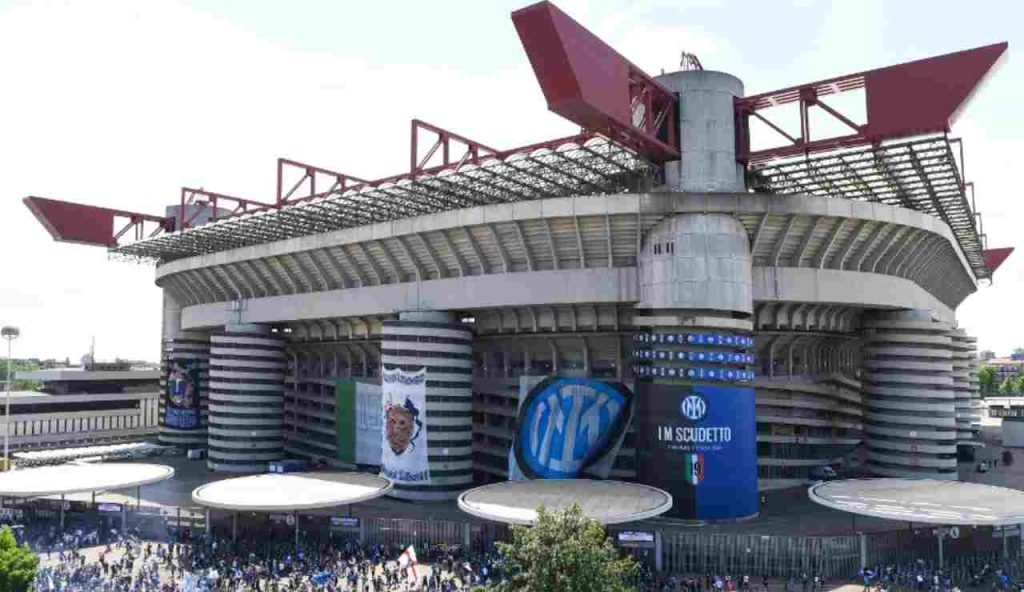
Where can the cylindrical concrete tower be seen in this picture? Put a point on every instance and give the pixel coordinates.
(696, 432)
(962, 385)
(184, 381)
(707, 132)
(247, 368)
(427, 392)
(908, 386)
(972, 373)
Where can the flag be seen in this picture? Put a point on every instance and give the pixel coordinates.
(693, 472)
(408, 559)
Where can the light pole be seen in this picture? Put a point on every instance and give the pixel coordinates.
(10, 334)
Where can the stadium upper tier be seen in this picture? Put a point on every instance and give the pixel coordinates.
(920, 175)
(589, 234)
(592, 167)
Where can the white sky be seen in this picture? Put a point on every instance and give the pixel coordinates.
(119, 104)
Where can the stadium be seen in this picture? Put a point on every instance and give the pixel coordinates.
(698, 291)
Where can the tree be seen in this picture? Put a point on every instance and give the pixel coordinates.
(18, 565)
(986, 379)
(1008, 387)
(1020, 384)
(17, 366)
(564, 552)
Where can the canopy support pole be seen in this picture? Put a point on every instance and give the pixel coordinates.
(234, 526)
(296, 515)
(61, 512)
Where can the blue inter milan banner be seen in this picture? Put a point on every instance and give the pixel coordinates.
(181, 401)
(699, 443)
(569, 428)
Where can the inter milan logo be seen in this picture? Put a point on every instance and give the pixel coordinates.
(565, 425)
(694, 407)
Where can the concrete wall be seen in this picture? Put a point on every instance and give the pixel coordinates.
(570, 286)
(1012, 432)
(696, 261)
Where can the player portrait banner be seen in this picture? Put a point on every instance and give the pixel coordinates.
(404, 446)
(569, 428)
(181, 399)
(358, 423)
(699, 443)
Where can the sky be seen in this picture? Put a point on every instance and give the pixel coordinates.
(121, 103)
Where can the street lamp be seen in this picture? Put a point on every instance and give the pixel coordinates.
(10, 334)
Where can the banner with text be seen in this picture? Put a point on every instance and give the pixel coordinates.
(181, 399)
(699, 443)
(404, 446)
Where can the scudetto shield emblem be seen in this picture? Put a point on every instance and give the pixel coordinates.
(565, 425)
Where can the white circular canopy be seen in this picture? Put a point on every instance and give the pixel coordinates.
(61, 479)
(923, 500)
(609, 502)
(276, 492)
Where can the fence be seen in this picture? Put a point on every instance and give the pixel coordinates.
(832, 557)
(773, 556)
(477, 537)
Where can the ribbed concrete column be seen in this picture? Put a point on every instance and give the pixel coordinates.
(247, 368)
(962, 385)
(908, 386)
(972, 374)
(444, 347)
(182, 350)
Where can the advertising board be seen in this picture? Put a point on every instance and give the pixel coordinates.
(404, 437)
(569, 428)
(699, 443)
(181, 399)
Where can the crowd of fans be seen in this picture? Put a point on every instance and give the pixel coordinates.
(923, 576)
(88, 560)
(91, 558)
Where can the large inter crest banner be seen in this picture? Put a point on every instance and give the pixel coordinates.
(404, 448)
(569, 428)
(181, 399)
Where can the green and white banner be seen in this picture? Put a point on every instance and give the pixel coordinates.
(358, 422)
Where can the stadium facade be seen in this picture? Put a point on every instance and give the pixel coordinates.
(770, 310)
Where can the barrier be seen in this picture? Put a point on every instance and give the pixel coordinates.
(772, 556)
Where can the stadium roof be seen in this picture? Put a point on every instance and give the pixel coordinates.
(62, 479)
(923, 500)
(921, 174)
(574, 167)
(288, 492)
(609, 502)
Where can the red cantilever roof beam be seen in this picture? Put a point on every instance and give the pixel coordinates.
(592, 85)
(338, 182)
(190, 196)
(911, 99)
(90, 225)
(445, 140)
